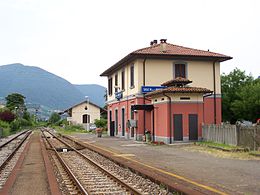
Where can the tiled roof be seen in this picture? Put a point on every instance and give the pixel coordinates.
(180, 90)
(178, 80)
(170, 49)
(85, 101)
(166, 50)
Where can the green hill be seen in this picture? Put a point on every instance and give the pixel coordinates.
(42, 87)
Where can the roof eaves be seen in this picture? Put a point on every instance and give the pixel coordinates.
(120, 63)
(85, 101)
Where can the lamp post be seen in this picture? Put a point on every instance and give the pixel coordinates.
(87, 107)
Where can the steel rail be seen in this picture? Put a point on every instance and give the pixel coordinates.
(129, 188)
(4, 144)
(66, 167)
(15, 150)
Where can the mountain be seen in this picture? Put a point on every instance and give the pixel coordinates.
(92, 89)
(40, 87)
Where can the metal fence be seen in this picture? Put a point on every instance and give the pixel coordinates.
(245, 136)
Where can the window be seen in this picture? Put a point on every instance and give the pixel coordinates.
(86, 118)
(110, 86)
(132, 76)
(184, 98)
(123, 80)
(180, 70)
(116, 83)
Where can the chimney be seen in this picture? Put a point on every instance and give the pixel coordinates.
(163, 45)
(154, 42)
(163, 40)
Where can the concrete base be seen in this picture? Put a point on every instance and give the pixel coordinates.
(166, 140)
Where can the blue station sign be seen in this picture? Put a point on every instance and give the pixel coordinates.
(147, 89)
(119, 95)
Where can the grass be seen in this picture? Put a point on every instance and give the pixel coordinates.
(219, 153)
(218, 145)
(255, 153)
(6, 132)
(69, 130)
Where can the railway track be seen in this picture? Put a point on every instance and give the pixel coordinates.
(96, 174)
(10, 152)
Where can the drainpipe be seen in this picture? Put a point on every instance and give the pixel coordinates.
(153, 124)
(144, 116)
(170, 114)
(214, 85)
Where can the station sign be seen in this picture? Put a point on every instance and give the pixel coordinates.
(147, 89)
(119, 95)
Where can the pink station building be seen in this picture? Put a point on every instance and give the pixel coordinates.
(165, 89)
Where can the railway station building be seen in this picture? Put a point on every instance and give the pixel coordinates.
(165, 89)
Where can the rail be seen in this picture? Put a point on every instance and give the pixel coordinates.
(16, 148)
(67, 169)
(123, 184)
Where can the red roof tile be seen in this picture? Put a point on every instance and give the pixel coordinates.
(166, 50)
(180, 90)
(178, 80)
(171, 49)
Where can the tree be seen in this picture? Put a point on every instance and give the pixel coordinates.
(54, 118)
(247, 106)
(15, 101)
(232, 86)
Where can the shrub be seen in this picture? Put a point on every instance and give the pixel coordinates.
(54, 118)
(7, 116)
(102, 123)
(62, 122)
(4, 124)
(24, 123)
(15, 125)
(74, 127)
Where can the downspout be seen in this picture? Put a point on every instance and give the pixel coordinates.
(170, 115)
(153, 124)
(144, 116)
(214, 86)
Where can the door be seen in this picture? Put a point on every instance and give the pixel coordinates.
(112, 128)
(116, 122)
(123, 122)
(193, 127)
(177, 127)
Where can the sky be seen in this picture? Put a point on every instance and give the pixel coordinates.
(79, 39)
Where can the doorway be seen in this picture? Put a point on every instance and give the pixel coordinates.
(112, 128)
(116, 122)
(123, 122)
(193, 127)
(177, 127)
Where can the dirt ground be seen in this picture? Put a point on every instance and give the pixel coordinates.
(233, 173)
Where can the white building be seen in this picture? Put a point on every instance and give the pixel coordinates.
(84, 113)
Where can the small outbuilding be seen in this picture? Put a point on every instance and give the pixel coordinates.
(178, 106)
(84, 113)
